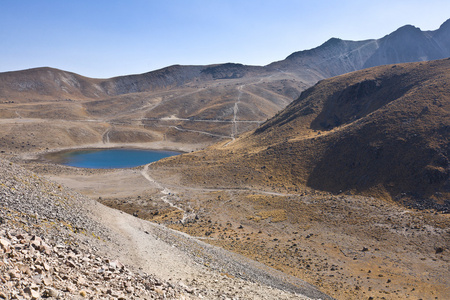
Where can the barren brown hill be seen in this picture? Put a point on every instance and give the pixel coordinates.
(382, 131)
(50, 83)
(195, 105)
(347, 188)
(334, 57)
(269, 194)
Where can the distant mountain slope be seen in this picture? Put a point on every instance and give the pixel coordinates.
(189, 104)
(336, 56)
(410, 44)
(383, 131)
(49, 83)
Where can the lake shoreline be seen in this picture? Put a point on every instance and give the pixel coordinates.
(106, 158)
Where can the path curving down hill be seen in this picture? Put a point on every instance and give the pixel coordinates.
(57, 243)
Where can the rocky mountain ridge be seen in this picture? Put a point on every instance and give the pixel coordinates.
(195, 105)
(334, 57)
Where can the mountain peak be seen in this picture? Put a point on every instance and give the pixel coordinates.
(332, 41)
(445, 26)
(407, 29)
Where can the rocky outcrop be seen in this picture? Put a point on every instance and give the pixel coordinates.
(34, 268)
(57, 244)
(230, 71)
(47, 247)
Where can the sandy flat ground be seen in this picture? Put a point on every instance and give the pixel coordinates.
(119, 183)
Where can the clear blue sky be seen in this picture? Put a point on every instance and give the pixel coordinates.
(105, 38)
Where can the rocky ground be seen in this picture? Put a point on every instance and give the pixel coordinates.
(350, 247)
(32, 269)
(46, 239)
(55, 243)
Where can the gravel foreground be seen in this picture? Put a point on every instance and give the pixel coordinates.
(57, 244)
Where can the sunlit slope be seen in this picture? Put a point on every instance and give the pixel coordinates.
(382, 131)
(186, 104)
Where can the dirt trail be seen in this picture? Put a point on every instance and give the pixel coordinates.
(155, 247)
(157, 250)
(234, 130)
(197, 131)
(164, 190)
(105, 136)
(140, 248)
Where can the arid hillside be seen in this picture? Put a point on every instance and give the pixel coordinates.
(193, 105)
(347, 188)
(383, 132)
(58, 244)
(334, 57)
(50, 83)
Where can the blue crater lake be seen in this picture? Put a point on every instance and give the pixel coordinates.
(108, 158)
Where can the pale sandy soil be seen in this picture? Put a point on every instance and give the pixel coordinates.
(168, 254)
(142, 244)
